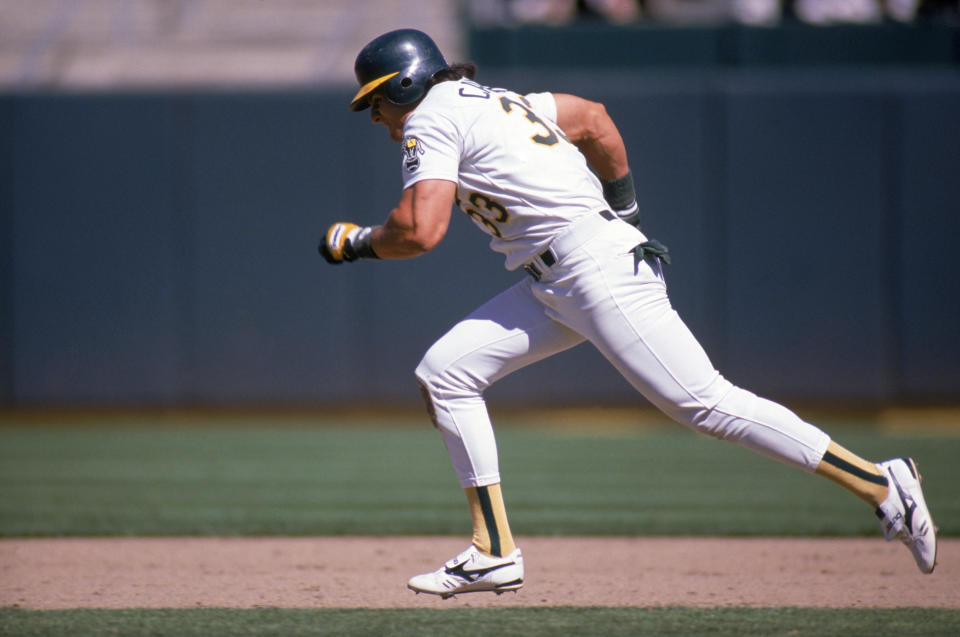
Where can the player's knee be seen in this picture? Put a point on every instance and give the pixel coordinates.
(427, 373)
(696, 416)
(425, 376)
(724, 420)
(702, 407)
(710, 422)
(423, 372)
(440, 378)
(440, 390)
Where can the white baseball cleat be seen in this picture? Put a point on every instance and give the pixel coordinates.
(904, 513)
(472, 572)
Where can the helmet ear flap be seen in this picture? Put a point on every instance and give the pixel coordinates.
(403, 90)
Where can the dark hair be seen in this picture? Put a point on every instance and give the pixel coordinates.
(453, 73)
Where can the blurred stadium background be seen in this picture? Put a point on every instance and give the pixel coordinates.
(166, 167)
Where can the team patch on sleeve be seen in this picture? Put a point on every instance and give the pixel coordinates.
(412, 149)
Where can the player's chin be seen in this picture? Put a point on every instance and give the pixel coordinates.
(396, 134)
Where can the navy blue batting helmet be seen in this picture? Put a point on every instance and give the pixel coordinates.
(400, 62)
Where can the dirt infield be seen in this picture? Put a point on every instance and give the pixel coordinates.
(372, 573)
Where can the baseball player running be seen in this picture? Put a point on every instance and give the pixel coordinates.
(546, 177)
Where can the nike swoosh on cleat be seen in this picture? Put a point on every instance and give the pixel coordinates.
(474, 575)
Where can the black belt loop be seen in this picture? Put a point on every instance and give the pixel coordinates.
(532, 271)
(606, 214)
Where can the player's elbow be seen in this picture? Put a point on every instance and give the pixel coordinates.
(583, 121)
(596, 120)
(428, 231)
(423, 242)
(411, 242)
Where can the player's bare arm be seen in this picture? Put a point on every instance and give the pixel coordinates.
(415, 226)
(418, 223)
(591, 129)
(593, 132)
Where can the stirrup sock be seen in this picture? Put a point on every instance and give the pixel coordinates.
(491, 532)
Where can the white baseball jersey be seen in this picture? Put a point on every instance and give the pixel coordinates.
(524, 184)
(518, 178)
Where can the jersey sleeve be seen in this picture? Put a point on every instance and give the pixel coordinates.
(544, 104)
(431, 148)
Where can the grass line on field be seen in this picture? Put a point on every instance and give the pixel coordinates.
(529, 622)
(265, 480)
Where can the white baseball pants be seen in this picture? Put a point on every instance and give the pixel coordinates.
(601, 293)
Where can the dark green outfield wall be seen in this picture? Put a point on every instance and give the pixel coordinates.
(789, 45)
(161, 248)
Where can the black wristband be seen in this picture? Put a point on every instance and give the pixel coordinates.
(619, 193)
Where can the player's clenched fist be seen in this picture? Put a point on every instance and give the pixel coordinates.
(347, 242)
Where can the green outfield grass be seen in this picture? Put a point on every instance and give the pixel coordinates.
(525, 622)
(250, 476)
(246, 477)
